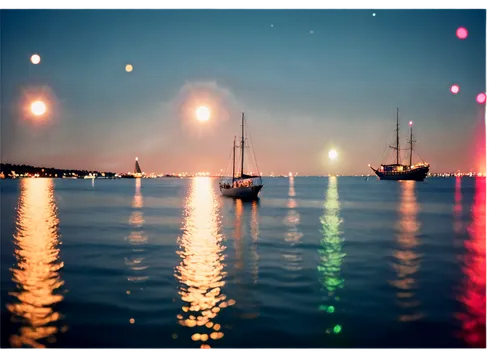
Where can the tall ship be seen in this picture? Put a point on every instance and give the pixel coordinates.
(240, 184)
(137, 171)
(399, 170)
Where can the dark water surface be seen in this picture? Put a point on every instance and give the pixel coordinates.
(316, 262)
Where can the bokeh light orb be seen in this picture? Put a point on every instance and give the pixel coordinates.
(202, 114)
(462, 33)
(481, 98)
(455, 89)
(129, 68)
(35, 59)
(38, 108)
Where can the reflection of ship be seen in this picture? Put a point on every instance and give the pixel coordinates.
(407, 261)
(246, 306)
(201, 270)
(241, 185)
(137, 171)
(331, 252)
(400, 171)
(473, 292)
(137, 239)
(37, 271)
(293, 235)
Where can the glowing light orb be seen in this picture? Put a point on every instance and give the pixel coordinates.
(129, 68)
(411, 123)
(272, 25)
(202, 114)
(136, 159)
(35, 59)
(332, 154)
(374, 14)
(462, 33)
(337, 329)
(38, 108)
(455, 89)
(481, 98)
(311, 32)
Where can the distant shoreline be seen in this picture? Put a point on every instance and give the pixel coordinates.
(14, 171)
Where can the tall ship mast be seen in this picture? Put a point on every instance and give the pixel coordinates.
(400, 171)
(241, 185)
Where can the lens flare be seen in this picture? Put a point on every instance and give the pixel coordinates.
(203, 114)
(462, 33)
(38, 108)
(481, 98)
(455, 89)
(35, 59)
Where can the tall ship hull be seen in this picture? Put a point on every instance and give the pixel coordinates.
(400, 171)
(241, 186)
(416, 174)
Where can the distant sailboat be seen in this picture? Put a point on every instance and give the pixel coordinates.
(137, 171)
(399, 171)
(243, 186)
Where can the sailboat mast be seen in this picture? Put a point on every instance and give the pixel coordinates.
(234, 155)
(397, 136)
(242, 141)
(411, 142)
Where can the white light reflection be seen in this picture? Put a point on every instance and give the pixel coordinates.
(406, 258)
(293, 236)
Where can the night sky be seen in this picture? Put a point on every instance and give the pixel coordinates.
(308, 81)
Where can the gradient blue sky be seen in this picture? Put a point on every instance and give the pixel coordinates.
(303, 93)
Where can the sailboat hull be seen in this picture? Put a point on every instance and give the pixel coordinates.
(242, 192)
(417, 174)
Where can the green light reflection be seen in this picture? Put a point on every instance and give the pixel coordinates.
(331, 253)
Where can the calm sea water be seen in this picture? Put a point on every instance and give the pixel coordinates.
(316, 262)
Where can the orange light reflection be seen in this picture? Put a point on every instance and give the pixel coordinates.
(407, 260)
(37, 271)
(201, 271)
(137, 238)
(457, 208)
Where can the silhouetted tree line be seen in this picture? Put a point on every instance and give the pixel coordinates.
(28, 169)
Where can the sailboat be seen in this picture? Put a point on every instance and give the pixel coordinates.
(241, 185)
(400, 171)
(137, 171)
